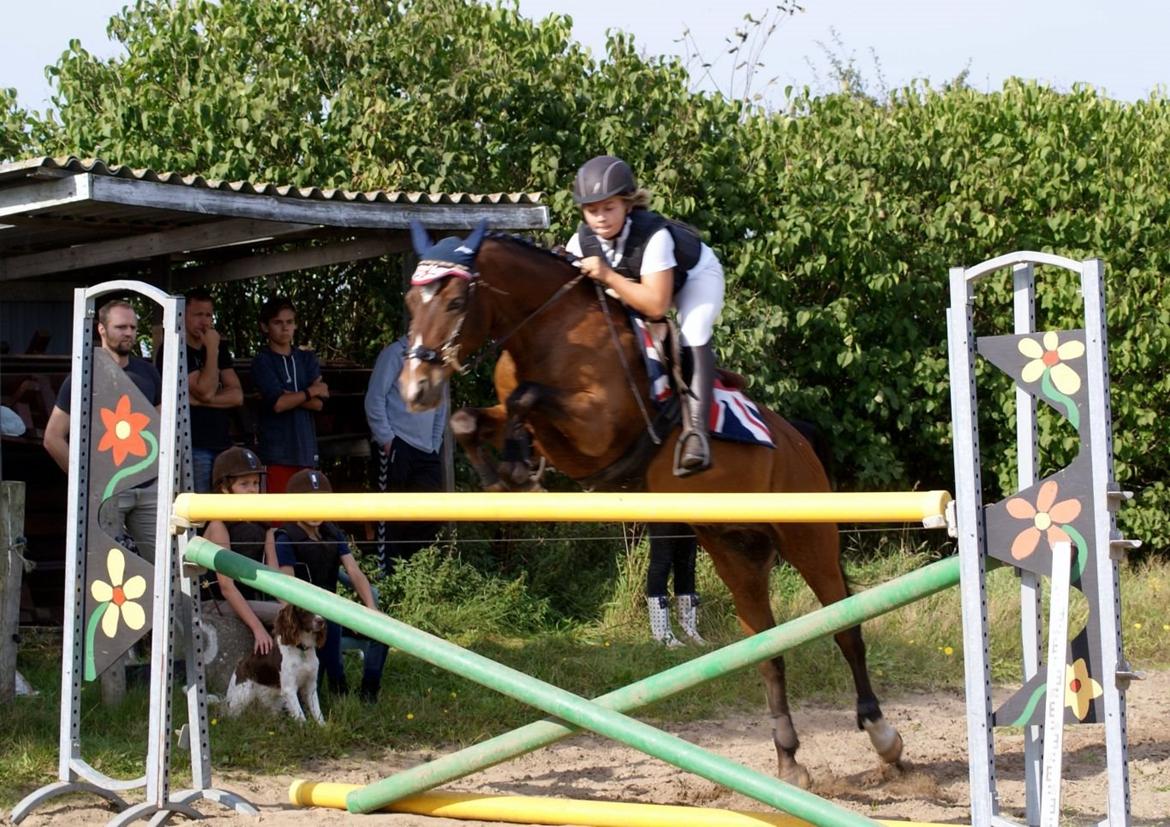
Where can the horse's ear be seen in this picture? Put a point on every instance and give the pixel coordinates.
(476, 238)
(420, 239)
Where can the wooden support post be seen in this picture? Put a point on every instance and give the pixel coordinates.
(11, 572)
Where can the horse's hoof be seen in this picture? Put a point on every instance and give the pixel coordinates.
(495, 487)
(516, 474)
(796, 775)
(886, 740)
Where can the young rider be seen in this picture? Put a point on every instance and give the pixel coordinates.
(238, 471)
(631, 251)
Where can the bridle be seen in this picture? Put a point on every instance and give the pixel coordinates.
(447, 353)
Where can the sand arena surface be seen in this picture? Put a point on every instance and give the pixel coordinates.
(931, 785)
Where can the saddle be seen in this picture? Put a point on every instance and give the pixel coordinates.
(664, 339)
(734, 416)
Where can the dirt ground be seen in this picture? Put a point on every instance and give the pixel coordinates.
(931, 785)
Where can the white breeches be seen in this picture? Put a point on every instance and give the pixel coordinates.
(699, 302)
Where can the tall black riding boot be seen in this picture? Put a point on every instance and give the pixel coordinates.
(695, 440)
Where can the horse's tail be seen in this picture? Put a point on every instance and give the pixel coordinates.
(820, 445)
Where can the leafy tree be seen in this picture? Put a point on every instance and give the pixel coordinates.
(837, 218)
(15, 141)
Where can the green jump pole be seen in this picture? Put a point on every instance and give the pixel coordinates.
(515, 684)
(825, 621)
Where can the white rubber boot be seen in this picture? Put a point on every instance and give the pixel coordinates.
(659, 608)
(688, 605)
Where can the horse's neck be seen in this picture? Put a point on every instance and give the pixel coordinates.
(523, 301)
(568, 346)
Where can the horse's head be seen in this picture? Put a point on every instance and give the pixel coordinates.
(439, 301)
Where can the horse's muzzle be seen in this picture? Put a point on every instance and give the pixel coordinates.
(419, 391)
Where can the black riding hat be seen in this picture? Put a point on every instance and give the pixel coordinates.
(603, 177)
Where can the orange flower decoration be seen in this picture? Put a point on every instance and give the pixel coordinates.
(1046, 517)
(123, 431)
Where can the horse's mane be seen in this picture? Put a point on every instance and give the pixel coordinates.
(528, 243)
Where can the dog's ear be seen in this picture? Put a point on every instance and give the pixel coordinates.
(322, 629)
(285, 626)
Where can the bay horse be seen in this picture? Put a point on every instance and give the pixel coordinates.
(561, 374)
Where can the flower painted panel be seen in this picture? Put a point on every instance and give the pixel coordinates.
(124, 428)
(119, 602)
(1082, 691)
(123, 454)
(1022, 529)
(1050, 366)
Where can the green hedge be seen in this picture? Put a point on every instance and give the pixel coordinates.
(837, 218)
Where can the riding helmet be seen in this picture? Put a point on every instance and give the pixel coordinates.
(308, 481)
(236, 461)
(603, 177)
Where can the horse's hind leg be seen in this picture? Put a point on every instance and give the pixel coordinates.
(822, 571)
(743, 559)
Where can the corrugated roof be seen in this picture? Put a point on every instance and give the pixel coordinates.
(95, 166)
(73, 215)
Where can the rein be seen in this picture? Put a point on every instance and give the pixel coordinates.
(654, 437)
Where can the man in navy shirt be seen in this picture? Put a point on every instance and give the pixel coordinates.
(118, 331)
(291, 390)
(213, 385)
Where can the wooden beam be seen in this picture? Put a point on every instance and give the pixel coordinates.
(377, 216)
(25, 198)
(11, 574)
(286, 262)
(149, 245)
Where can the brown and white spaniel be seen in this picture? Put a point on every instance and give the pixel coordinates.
(287, 676)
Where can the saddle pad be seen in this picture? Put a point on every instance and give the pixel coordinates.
(733, 416)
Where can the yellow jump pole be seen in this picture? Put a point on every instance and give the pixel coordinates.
(927, 507)
(523, 809)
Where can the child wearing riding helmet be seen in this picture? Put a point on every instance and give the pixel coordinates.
(239, 471)
(630, 250)
(317, 552)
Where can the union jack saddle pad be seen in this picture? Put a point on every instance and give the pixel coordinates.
(733, 416)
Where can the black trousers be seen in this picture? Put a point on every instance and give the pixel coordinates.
(672, 546)
(405, 469)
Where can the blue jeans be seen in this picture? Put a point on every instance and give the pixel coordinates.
(202, 459)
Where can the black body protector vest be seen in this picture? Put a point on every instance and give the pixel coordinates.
(643, 224)
(247, 539)
(317, 560)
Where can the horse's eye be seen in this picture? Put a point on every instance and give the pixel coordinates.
(456, 303)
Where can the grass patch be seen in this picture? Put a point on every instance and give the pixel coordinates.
(589, 644)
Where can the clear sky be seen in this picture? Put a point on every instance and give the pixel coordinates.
(1119, 46)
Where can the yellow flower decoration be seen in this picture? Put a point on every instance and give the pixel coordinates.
(118, 596)
(1079, 688)
(1049, 355)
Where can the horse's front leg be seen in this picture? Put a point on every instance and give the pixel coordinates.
(473, 429)
(515, 465)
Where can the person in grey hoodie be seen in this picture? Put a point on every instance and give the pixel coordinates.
(405, 454)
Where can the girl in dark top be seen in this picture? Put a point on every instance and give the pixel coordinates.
(238, 471)
(316, 552)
